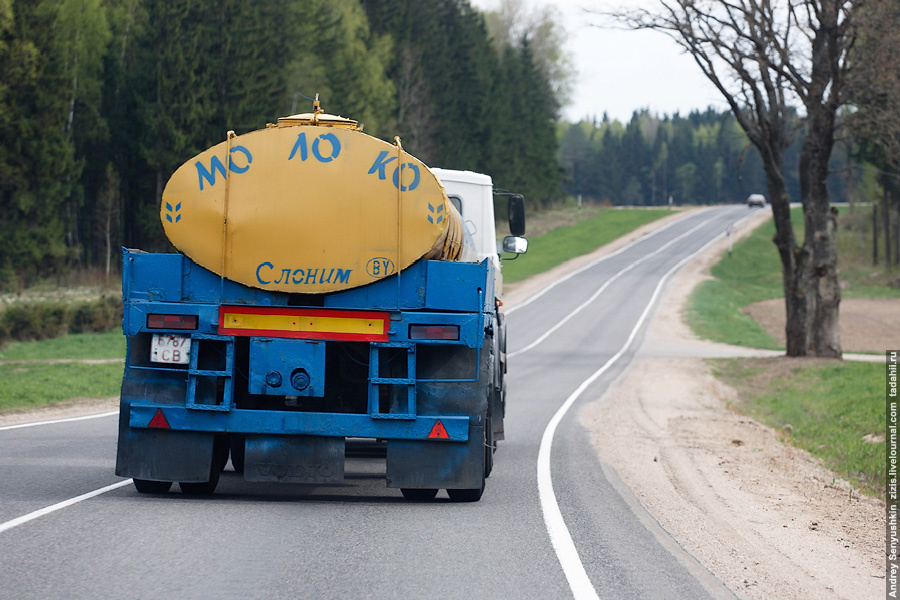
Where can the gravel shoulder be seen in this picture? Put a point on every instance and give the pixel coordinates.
(762, 516)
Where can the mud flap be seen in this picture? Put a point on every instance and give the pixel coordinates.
(165, 455)
(294, 459)
(442, 465)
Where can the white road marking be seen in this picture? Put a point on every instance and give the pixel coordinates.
(603, 287)
(53, 422)
(560, 537)
(60, 505)
(531, 299)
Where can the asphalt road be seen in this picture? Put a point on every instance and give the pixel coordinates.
(553, 522)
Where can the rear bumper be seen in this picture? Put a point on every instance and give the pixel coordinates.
(301, 423)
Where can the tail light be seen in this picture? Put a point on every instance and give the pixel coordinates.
(171, 321)
(434, 332)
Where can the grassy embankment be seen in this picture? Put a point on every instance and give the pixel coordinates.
(560, 244)
(32, 377)
(825, 407)
(560, 234)
(753, 273)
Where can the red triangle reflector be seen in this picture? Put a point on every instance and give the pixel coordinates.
(438, 432)
(159, 420)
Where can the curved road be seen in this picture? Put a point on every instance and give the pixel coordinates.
(553, 523)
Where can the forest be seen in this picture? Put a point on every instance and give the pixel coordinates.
(101, 100)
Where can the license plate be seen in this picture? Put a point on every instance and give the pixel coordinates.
(170, 349)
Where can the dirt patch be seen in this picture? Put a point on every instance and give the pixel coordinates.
(866, 325)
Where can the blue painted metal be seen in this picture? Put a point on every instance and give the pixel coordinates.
(195, 374)
(151, 276)
(409, 382)
(425, 285)
(302, 423)
(443, 380)
(285, 356)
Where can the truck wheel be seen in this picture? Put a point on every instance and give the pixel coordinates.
(145, 486)
(417, 495)
(237, 453)
(473, 495)
(220, 452)
(201, 488)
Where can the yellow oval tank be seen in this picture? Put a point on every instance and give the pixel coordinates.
(311, 205)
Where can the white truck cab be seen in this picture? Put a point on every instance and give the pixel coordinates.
(473, 196)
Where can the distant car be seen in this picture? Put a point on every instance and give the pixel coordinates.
(756, 200)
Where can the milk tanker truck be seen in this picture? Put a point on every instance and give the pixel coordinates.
(328, 287)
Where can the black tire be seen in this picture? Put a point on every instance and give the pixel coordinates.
(220, 452)
(472, 495)
(417, 495)
(237, 453)
(145, 486)
(201, 488)
(490, 447)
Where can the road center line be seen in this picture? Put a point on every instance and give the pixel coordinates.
(60, 505)
(560, 537)
(67, 420)
(603, 287)
(565, 278)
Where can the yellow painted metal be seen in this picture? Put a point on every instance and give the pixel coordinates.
(308, 208)
(304, 323)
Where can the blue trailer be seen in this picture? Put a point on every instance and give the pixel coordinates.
(279, 381)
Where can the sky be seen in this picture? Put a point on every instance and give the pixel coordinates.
(619, 72)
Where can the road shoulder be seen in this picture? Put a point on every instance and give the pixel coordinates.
(762, 516)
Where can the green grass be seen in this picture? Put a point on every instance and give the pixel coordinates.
(752, 273)
(110, 344)
(28, 385)
(564, 243)
(829, 409)
(36, 383)
(859, 277)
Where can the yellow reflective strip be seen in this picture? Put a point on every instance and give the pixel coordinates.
(304, 323)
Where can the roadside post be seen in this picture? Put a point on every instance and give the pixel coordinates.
(729, 231)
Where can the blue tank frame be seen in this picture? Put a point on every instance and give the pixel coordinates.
(432, 292)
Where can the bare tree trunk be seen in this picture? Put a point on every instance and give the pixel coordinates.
(821, 230)
(826, 335)
(798, 290)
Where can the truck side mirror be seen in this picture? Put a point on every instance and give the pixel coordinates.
(517, 215)
(515, 245)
